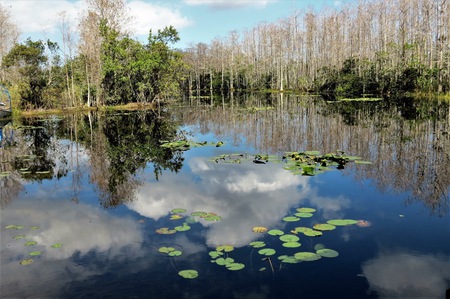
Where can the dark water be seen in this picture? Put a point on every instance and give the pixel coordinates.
(100, 185)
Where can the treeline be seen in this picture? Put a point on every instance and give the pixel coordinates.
(104, 67)
(370, 47)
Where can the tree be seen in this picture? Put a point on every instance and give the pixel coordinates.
(8, 36)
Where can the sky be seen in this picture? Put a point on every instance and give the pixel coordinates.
(195, 20)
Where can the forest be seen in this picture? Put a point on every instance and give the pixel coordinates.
(371, 48)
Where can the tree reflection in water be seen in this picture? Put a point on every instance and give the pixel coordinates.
(407, 140)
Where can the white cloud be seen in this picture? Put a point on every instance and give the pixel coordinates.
(42, 16)
(148, 16)
(229, 4)
(404, 275)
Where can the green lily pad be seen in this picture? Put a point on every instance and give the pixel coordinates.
(199, 213)
(293, 244)
(215, 254)
(235, 266)
(34, 253)
(212, 217)
(275, 232)
(182, 228)
(178, 211)
(306, 256)
(257, 244)
(34, 228)
(306, 210)
(342, 222)
(18, 237)
(189, 274)
(57, 245)
(224, 261)
(30, 243)
(289, 238)
(303, 214)
(165, 249)
(26, 262)
(288, 259)
(319, 246)
(175, 253)
(324, 226)
(225, 248)
(325, 252)
(291, 219)
(267, 251)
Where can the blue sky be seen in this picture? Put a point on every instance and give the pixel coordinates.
(196, 20)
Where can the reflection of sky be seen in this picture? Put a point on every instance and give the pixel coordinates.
(82, 230)
(406, 275)
(245, 195)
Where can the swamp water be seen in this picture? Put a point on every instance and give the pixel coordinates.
(229, 199)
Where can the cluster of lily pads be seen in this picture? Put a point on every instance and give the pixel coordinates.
(299, 163)
(222, 254)
(184, 145)
(177, 214)
(29, 243)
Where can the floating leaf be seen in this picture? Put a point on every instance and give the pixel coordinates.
(306, 210)
(175, 253)
(325, 252)
(165, 231)
(342, 222)
(34, 253)
(189, 274)
(307, 256)
(304, 215)
(57, 245)
(288, 259)
(26, 262)
(235, 266)
(178, 211)
(182, 228)
(275, 232)
(224, 261)
(10, 226)
(165, 249)
(225, 248)
(212, 217)
(199, 213)
(293, 244)
(267, 251)
(319, 246)
(219, 144)
(30, 243)
(34, 228)
(18, 237)
(259, 229)
(215, 254)
(257, 244)
(175, 217)
(291, 219)
(289, 238)
(324, 226)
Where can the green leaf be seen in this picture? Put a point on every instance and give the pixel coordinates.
(324, 226)
(57, 245)
(267, 251)
(34, 253)
(225, 248)
(175, 253)
(275, 232)
(224, 261)
(342, 222)
(34, 228)
(306, 210)
(215, 254)
(293, 244)
(235, 266)
(30, 243)
(257, 244)
(26, 262)
(291, 219)
(289, 238)
(165, 249)
(18, 237)
(325, 252)
(178, 211)
(189, 274)
(303, 215)
(306, 256)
